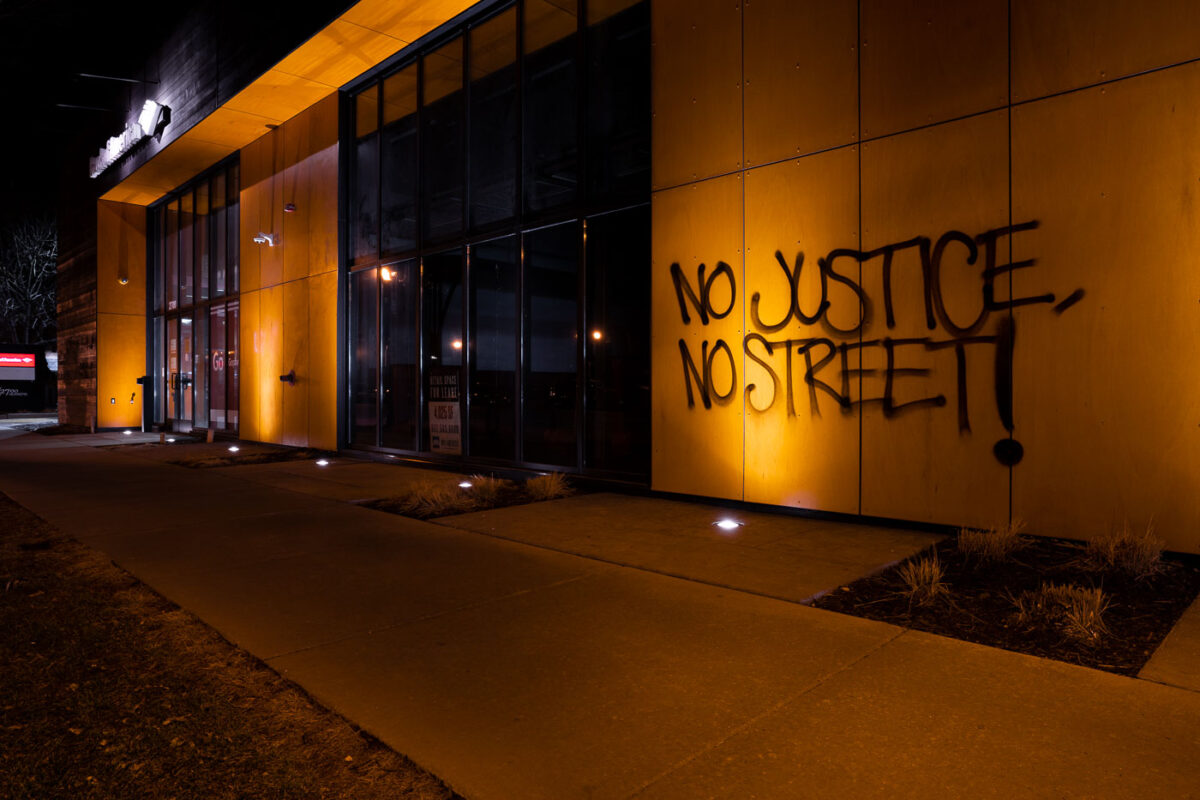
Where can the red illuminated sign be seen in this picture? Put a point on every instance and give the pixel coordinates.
(16, 360)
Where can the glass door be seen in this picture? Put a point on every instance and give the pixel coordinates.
(180, 367)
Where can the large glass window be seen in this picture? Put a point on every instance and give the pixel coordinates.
(552, 344)
(493, 354)
(499, 288)
(192, 292)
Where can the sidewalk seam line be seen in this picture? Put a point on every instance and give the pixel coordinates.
(815, 684)
(425, 618)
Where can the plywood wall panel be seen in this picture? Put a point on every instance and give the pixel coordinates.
(919, 461)
(802, 450)
(926, 61)
(121, 360)
(801, 77)
(250, 368)
(698, 449)
(1105, 404)
(294, 399)
(322, 361)
(1067, 44)
(696, 63)
(121, 255)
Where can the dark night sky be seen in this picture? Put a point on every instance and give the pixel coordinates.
(44, 45)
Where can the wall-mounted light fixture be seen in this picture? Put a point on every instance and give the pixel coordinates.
(289, 379)
(269, 239)
(290, 208)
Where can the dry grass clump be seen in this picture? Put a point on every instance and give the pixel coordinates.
(996, 543)
(1138, 555)
(1077, 611)
(432, 499)
(923, 580)
(547, 487)
(487, 490)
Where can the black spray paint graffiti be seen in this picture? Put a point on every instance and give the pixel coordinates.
(827, 354)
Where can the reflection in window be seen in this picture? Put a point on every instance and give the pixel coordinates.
(364, 355)
(442, 344)
(364, 203)
(618, 335)
(399, 161)
(551, 326)
(494, 349)
(398, 311)
(551, 134)
(493, 116)
(442, 131)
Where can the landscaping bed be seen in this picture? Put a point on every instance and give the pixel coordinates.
(110, 691)
(247, 457)
(439, 498)
(1017, 601)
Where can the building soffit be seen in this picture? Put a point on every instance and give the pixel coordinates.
(366, 35)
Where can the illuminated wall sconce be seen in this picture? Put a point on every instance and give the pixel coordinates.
(269, 239)
(386, 274)
(289, 379)
(290, 208)
(123, 280)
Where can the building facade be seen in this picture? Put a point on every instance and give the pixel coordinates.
(904, 260)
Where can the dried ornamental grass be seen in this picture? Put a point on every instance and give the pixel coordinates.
(1138, 555)
(547, 487)
(994, 544)
(488, 490)
(1075, 610)
(923, 580)
(432, 499)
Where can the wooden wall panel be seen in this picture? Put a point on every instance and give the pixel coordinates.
(250, 368)
(919, 462)
(1105, 402)
(322, 373)
(801, 77)
(121, 255)
(294, 399)
(926, 61)
(296, 163)
(802, 450)
(121, 349)
(120, 313)
(696, 98)
(697, 449)
(1067, 44)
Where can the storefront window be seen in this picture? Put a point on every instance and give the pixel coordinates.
(469, 192)
(193, 355)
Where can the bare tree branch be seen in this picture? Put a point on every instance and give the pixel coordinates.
(28, 263)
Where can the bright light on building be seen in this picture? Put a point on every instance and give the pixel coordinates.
(385, 273)
(597, 335)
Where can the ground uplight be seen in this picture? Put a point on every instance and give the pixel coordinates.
(322, 462)
(170, 441)
(728, 524)
(233, 448)
(128, 433)
(465, 485)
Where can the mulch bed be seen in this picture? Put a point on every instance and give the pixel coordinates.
(110, 691)
(980, 608)
(253, 457)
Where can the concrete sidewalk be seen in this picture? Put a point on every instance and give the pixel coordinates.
(515, 671)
